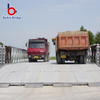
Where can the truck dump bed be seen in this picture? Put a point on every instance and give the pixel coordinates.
(72, 40)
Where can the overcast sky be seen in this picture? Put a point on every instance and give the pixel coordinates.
(44, 18)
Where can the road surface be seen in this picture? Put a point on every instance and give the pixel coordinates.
(50, 93)
(39, 74)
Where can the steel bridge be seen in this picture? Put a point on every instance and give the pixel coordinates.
(17, 71)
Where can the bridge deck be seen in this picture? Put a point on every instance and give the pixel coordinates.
(49, 73)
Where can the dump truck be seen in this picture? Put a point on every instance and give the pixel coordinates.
(71, 45)
(38, 49)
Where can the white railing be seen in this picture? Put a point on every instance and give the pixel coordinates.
(89, 55)
(9, 54)
(93, 54)
(18, 55)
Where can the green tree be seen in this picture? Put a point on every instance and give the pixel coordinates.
(91, 36)
(97, 38)
(82, 29)
(1, 43)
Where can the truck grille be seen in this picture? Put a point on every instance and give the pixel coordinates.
(38, 53)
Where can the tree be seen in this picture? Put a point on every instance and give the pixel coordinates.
(91, 36)
(97, 38)
(82, 29)
(1, 43)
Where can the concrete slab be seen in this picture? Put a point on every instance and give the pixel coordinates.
(49, 73)
(4, 76)
(32, 77)
(49, 77)
(67, 77)
(97, 84)
(9, 67)
(83, 77)
(33, 85)
(95, 75)
(92, 67)
(15, 77)
(4, 85)
(50, 93)
(62, 85)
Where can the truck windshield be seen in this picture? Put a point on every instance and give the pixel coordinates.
(36, 45)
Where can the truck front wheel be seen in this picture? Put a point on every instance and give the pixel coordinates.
(29, 59)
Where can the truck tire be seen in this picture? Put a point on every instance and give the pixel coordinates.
(62, 60)
(29, 59)
(78, 61)
(84, 60)
(34, 60)
(58, 58)
(81, 59)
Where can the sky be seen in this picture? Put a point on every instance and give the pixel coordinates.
(45, 18)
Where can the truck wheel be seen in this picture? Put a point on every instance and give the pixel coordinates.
(35, 60)
(78, 61)
(62, 61)
(84, 60)
(29, 59)
(58, 58)
(81, 59)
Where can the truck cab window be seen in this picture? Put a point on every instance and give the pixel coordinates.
(36, 45)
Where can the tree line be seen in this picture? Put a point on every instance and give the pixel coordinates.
(93, 39)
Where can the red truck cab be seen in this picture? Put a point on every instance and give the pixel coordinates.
(38, 49)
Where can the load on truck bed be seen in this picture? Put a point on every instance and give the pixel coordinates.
(71, 45)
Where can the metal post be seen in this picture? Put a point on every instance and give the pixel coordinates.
(89, 55)
(97, 54)
(2, 55)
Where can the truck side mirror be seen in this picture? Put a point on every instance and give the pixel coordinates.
(26, 44)
(46, 44)
(53, 43)
(53, 40)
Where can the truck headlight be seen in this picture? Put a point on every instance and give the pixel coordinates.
(29, 56)
(42, 55)
(41, 51)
